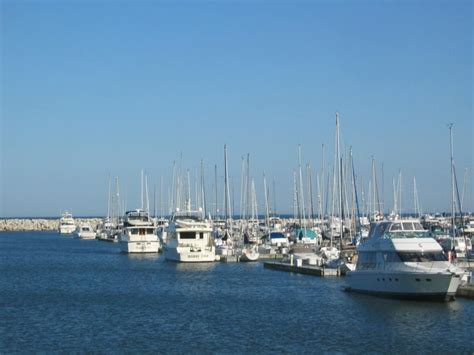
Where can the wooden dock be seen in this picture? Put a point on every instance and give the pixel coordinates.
(304, 269)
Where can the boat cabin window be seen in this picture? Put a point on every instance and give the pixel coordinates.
(408, 226)
(390, 256)
(366, 260)
(418, 226)
(378, 229)
(395, 227)
(421, 257)
(187, 235)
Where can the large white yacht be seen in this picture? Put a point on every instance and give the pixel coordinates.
(400, 259)
(66, 223)
(139, 233)
(189, 239)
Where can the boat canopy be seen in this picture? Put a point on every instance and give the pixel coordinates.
(306, 233)
(277, 235)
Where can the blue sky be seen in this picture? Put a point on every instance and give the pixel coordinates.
(92, 88)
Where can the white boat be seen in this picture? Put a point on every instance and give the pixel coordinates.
(85, 231)
(189, 239)
(139, 233)
(66, 223)
(161, 224)
(400, 259)
(250, 253)
(462, 245)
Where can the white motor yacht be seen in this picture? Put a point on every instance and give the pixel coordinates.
(139, 233)
(189, 239)
(85, 231)
(400, 259)
(66, 223)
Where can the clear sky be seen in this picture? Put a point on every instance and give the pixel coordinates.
(92, 88)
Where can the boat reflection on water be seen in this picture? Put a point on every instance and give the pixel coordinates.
(193, 267)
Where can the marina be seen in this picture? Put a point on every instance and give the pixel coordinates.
(89, 296)
(234, 177)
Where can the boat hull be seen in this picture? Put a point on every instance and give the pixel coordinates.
(67, 229)
(249, 256)
(140, 246)
(86, 236)
(186, 256)
(405, 285)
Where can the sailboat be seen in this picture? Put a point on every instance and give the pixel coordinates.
(249, 251)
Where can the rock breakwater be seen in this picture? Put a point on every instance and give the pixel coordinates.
(39, 224)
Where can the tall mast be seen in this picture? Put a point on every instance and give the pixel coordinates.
(188, 195)
(400, 192)
(203, 190)
(266, 198)
(161, 195)
(249, 189)
(117, 196)
(242, 186)
(310, 192)
(274, 198)
(322, 181)
(453, 207)
(154, 200)
(301, 186)
(215, 194)
(141, 191)
(108, 203)
(147, 202)
(320, 206)
(296, 205)
(340, 178)
(172, 201)
(226, 185)
(383, 192)
(464, 187)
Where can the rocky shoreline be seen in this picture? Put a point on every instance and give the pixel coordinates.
(40, 224)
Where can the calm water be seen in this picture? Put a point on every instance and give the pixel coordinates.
(62, 294)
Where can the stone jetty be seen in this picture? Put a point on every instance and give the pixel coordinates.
(39, 224)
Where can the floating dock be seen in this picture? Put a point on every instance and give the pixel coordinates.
(303, 269)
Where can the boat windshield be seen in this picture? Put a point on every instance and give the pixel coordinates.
(421, 257)
(404, 229)
(406, 234)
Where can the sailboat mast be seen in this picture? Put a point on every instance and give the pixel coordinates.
(400, 192)
(215, 192)
(161, 195)
(266, 198)
(203, 190)
(323, 164)
(453, 207)
(226, 186)
(274, 198)
(147, 202)
(301, 186)
(141, 191)
(108, 203)
(310, 182)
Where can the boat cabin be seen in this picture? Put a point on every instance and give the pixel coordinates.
(398, 229)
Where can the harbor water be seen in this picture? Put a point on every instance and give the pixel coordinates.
(63, 294)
